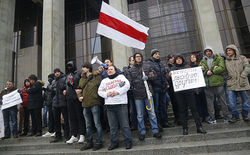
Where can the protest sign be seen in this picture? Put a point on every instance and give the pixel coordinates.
(1, 124)
(11, 99)
(189, 78)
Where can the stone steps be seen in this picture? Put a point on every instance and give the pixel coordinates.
(222, 137)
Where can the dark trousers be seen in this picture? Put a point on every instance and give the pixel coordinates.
(76, 119)
(174, 103)
(118, 115)
(201, 104)
(26, 120)
(185, 100)
(36, 118)
(51, 124)
(57, 118)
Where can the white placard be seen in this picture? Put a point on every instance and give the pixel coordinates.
(189, 78)
(11, 99)
(1, 124)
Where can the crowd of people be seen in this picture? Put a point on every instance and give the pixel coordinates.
(85, 102)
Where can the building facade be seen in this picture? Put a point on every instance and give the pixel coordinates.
(40, 35)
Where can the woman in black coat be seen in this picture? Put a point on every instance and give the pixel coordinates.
(186, 99)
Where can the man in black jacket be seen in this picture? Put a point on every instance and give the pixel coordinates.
(76, 119)
(48, 102)
(35, 104)
(136, 78)
(59, 105)
(160, 86)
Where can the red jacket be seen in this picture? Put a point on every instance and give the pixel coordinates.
(25, 97)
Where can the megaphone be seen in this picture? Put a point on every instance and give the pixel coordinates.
(96, 60)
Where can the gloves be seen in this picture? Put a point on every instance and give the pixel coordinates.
(121, 84)
(144, 78)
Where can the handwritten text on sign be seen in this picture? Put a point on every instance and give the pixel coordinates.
(190, 78)
(11, 99)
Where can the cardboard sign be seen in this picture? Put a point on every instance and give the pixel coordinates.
(189, 78)
(11, 99)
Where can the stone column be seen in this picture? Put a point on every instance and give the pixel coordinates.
(53, 42)
(208, 25)
(7, 16)
(120, 52)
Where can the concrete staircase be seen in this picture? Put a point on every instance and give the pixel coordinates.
(222, 138)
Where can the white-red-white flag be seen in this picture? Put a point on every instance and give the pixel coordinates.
(116, 26)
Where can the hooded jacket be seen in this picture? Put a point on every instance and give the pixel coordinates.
(217, 78)
(135, 78)
(25, 95)
(35, 97)
(58, 86)
(237, 71)
(72, 81)
(89, 86)
(160, 83)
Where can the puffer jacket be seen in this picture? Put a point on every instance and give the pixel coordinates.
(35, 97)
(135, 78)
(217, 78)
(237, 71)
(58, 86)
(160, 83)
(89, 86)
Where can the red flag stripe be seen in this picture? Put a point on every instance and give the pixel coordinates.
(122, 27)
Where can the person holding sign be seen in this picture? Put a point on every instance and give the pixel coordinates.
(186, 99)
(213, 67)
(9, 112)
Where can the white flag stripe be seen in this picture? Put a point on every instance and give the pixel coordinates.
(119, 37)
(107, 9)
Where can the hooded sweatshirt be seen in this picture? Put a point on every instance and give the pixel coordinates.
(237, 70)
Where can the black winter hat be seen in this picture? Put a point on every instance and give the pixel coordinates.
(170, 56)
(153, 51)
(51, 76)
(57, 70)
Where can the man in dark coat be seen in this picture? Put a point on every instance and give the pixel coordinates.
(160, 86)
(136, 79)
(35, 104)
(59, 105)
(48, 95)
(74, 107)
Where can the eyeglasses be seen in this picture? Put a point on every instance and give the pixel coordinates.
(137, 56)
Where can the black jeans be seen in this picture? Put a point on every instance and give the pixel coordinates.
(185, 100)
(51, 124)
(57, 118)
(26, 120)
(76, 119)
(36, 118)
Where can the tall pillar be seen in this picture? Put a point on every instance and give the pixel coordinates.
(120, 52)
(208, 25)
(7, 16)
(53, 42)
